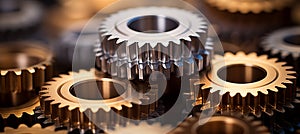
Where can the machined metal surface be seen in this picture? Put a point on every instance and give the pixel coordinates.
(253, 84)
(250, 6)
(87, 101)
(146, 38)
(35, 129)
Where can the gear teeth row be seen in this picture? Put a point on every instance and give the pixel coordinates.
(268, 94)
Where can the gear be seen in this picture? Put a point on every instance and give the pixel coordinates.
(127, 37)
(263, 85)
(17, 16)
(36, 129)
(285, 44)
(66, 103)
(253, 6)
(24, 67)
(146, 128)
(224, 123)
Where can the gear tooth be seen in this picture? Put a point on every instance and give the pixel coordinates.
(240, 53)
(253, 55)
(284, 54)
(295, 55)
(3, 72)
(273, 60)
(263, 57)
(281, 63)
(228, 54)
(290, 72)
(274, 51)
(290, 77)
(281, 86)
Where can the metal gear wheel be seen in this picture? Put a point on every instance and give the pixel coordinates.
(250, 6)
(146, 128)
(253, 84)
(142, 39)
(24, 67)
(35, 129)
(221, 123)
(87, 101)
(285, 44)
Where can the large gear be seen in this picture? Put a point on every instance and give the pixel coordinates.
(221, 123)
(24, 67)
(247, 6)
(173, 35)
(146, 128)
(263, 84)
(35, 129)
(66, 103)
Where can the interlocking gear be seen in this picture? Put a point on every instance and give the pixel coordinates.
(253, 6)
(35, 129)
(247, 83)
(221, 123)
(139, 40)
(87, 101)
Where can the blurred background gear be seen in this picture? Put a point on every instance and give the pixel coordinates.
(86, 101)
(262, 85)
(24, 67)
(285, 45)
(231, 123)
(35, 129)
(138, 41)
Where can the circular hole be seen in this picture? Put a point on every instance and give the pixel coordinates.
(96, 90)
(293, 39)
(18, 60)
(242, 73)
(152, 24)
(220, 127)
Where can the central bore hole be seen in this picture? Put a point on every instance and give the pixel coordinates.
(242, 74)
(152, 24)
(18, 60)
(97, 90)
(220, 127)
(293, 39)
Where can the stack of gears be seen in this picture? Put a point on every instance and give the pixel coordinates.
(231, 93)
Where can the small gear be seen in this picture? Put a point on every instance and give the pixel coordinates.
(262, 84)
(87, 101)
(250, 6)
(221, 123)
(285, 44)
(128, 38)
(146, 128)
(36, 129)
(24, 67)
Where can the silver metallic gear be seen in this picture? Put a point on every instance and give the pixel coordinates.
(173, 35)
(146, 128)
(35, 129)
(89, 110)
(263, 84)
(221, 123)
(250, 6)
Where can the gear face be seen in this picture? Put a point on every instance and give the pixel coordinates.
(146, 128)
(35, 129)
(225, 123)
(148, 37)
(250, 6)
(87, 101)
(253, 84)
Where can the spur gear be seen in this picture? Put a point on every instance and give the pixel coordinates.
(35, 129)
(250, 6)
(221, 123)
(149, 38)
(87, 101)
(285, 44)
(24, 67)
(146, 128)
(262, 84)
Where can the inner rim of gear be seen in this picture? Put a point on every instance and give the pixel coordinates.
(222, 124)
(247, 73)
(293, 39)
(153, 24)
(97, 90)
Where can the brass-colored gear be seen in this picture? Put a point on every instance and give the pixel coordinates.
(253, 84)
(24, 67)
(221, 123)
(35, 129)
(87, 100)
(247, 6)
